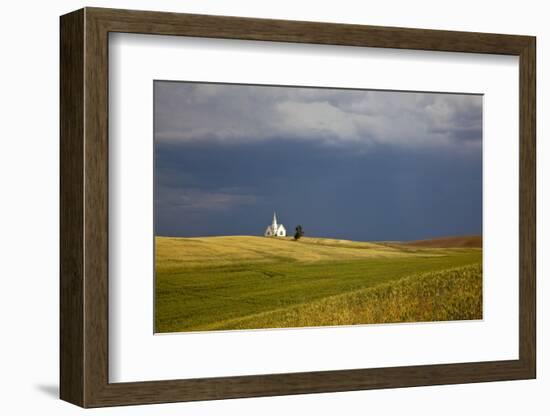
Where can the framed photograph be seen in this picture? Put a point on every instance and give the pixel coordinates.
(255, 207)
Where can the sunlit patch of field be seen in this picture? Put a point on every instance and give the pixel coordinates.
(174, 254)
(244, 282)
(453, 294)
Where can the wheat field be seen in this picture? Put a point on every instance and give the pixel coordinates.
(246, 282)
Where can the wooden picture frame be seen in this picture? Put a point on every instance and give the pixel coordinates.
(84, 207)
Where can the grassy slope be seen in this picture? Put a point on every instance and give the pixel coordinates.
(453, 294)
(205, 283)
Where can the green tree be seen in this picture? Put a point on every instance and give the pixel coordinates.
(299, 232)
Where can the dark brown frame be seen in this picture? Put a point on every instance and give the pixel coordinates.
(84, 208)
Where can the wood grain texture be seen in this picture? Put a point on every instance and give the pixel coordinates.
(96, 209)
(71, 203)
(527, 208)
(84, 207)
(225, 27)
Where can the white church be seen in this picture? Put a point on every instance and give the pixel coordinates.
(275, 230)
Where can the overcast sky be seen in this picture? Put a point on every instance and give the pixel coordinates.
(355, 164)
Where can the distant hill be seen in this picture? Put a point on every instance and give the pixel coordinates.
(175, 252)
(467, 241)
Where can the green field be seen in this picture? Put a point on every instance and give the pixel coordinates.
(244, 282)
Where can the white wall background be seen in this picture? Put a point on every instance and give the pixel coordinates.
(29, 159)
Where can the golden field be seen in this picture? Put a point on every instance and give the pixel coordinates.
(246, 282)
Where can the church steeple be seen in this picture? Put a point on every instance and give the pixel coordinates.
(275, 230)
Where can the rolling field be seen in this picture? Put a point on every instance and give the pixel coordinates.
(244, 282)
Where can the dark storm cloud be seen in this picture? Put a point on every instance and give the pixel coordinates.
(350, 164)
(188, 112)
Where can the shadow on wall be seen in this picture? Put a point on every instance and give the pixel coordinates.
(51, 390)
